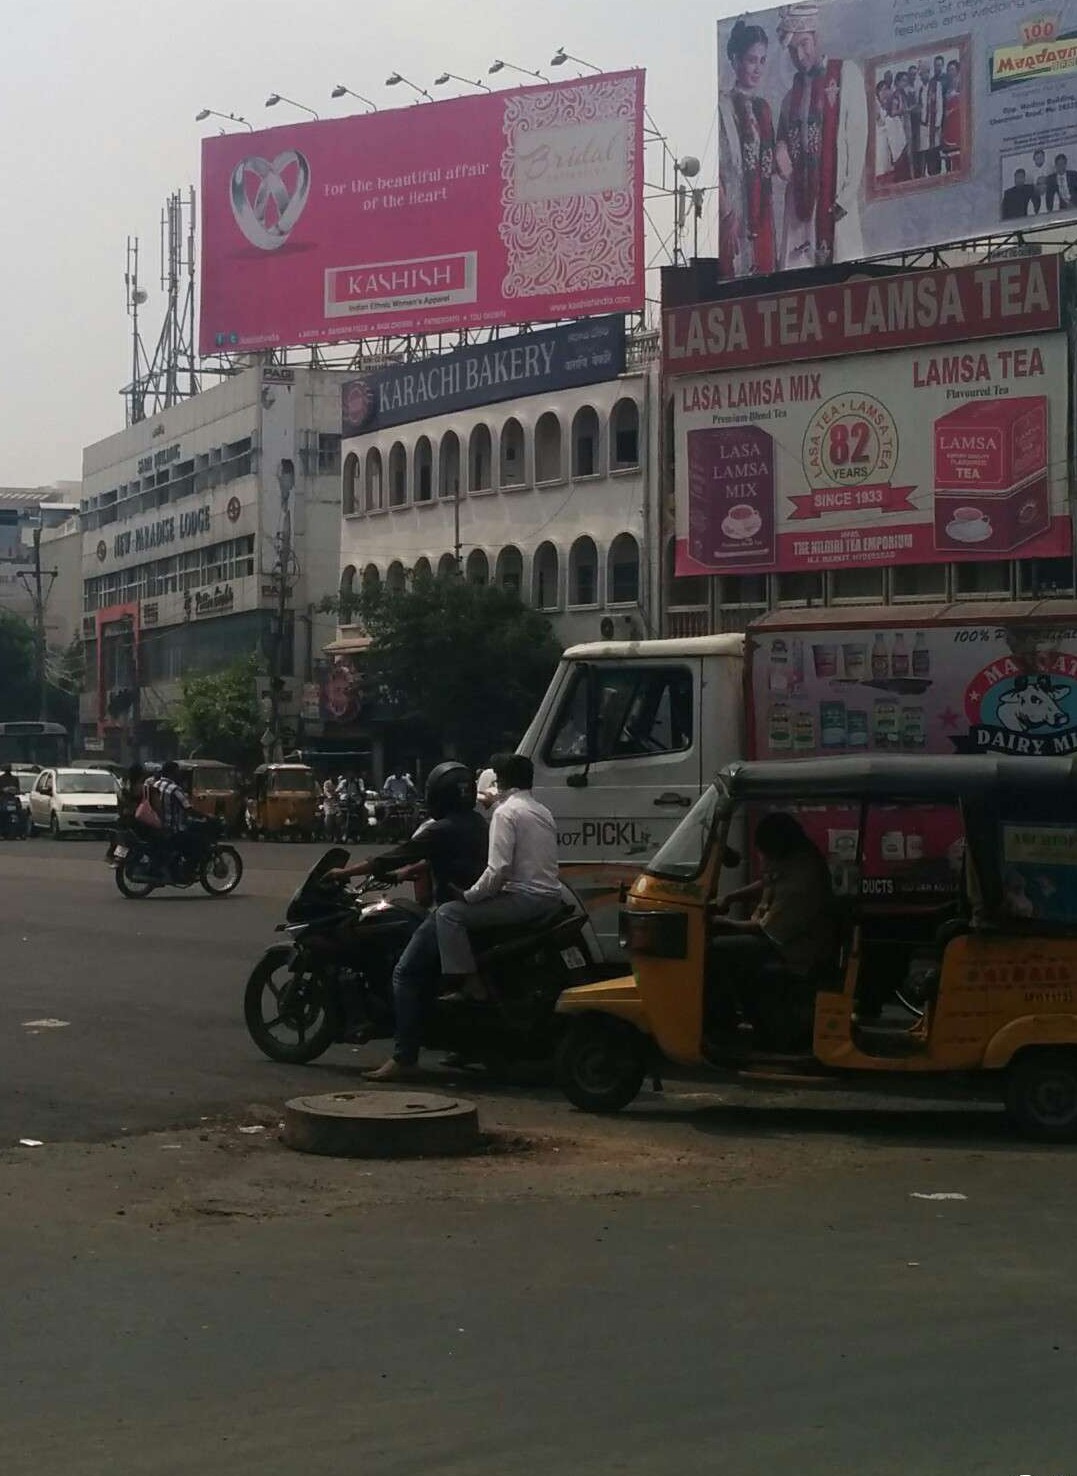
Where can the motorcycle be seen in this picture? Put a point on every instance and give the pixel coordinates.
(396, 820)
(355, 823)
(142, 866)
(332, 980)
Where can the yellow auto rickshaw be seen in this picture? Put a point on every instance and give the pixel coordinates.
(283, 803)
(213, 789)
(954, 952)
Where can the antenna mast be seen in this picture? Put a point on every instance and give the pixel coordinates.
(170, 375)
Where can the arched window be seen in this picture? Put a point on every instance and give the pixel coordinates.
(423, 489)
(583, 572)
(421, 571)
(585, 459)
(549, 466)
(477, 570)
(480, 460)
(546, 578)
(395, 578)
(622, 586)
(624, 435)
(347, 595)
(449, 465)
(447, 567)
(513, 473)
(375, 494)
(347, 489)
(371, 578)
(509, 574)
(398, 475)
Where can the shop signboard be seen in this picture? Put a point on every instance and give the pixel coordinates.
(514, 206)
(560, 358)
(942, 454)
(856, 128)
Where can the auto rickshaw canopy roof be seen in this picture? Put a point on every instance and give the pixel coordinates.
(924, 778)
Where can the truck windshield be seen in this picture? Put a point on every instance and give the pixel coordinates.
(684, 854)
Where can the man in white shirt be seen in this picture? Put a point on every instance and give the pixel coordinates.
(520, 883)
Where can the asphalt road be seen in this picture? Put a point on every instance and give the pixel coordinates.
(152, 993)
(708, 1284)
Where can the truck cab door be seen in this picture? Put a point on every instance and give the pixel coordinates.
(620, 766)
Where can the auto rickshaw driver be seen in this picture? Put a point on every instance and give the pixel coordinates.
(789, 937)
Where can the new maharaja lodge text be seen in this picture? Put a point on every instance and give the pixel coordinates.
(967, 302)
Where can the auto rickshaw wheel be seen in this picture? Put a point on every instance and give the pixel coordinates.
(1041, 1095)
(601, 1063)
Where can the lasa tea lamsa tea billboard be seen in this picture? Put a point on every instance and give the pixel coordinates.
(517, 206)
(857, 128)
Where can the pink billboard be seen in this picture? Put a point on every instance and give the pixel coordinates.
(517, 206)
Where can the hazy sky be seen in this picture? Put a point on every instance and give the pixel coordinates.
(97, 105)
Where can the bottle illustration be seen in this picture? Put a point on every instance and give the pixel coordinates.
(779, 728)
(796, 676)
(899, 661)
(856, 727)
(880, 661)
(778, 674)
(886, 725)
(832, 724)
(921, 656)
(804, 732)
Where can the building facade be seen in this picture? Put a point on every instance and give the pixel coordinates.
(192, 522)
(550, 495)
(51, 509)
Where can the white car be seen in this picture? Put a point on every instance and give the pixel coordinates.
(74, 802)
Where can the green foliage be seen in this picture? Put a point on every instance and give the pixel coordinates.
(218, 716)
(462, 666)
(18, 690)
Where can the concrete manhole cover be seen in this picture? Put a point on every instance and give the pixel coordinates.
(381, 1125)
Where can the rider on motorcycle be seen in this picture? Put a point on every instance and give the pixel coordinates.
(173, 807)
(453, 843)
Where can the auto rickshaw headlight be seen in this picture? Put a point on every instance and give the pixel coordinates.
(658, 934)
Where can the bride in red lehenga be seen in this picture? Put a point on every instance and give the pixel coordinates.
(746, 161)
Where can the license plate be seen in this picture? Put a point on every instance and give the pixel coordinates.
(572, 958)
(120, 851)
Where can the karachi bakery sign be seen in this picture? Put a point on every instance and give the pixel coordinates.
(945, 450)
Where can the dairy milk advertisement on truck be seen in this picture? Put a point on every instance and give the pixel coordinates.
(856, 127)
(932, 689)
(938, 453)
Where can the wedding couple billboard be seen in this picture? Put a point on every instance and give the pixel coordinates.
(854, 128)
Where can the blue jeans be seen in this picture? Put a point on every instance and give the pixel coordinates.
(415, 984)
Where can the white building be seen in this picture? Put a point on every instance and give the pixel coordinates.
(553, 495)
(184, 516)
(22, 510)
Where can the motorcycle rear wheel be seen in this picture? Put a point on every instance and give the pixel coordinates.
(133, 886)
(221, 872)
(302, 1020)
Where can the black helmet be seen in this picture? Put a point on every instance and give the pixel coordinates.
(449, 789)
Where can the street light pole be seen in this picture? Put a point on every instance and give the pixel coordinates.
(286, 482)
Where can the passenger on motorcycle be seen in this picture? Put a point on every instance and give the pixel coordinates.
(520, 883)
(173, 806)
(398, 788)
(453, 843)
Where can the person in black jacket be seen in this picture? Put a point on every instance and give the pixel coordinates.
(453, 843)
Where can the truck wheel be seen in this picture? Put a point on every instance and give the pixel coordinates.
(1041, 1095)
(601, 1063)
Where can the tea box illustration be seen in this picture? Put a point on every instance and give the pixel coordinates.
(992, 487)
(731, 497)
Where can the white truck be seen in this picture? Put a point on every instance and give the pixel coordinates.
(626, 738)
(630, 733)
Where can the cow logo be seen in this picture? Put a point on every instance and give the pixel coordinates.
(233, 510)
(1023, 706)
(281, 189)
(102, 551)
(358, 406)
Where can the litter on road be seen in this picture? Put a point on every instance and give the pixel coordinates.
(915, 1195)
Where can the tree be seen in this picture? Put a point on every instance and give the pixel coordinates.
(18, 686)
(459, 667)
(218, 714)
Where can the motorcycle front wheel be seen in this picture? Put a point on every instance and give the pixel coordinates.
(290, 1011)
(221, 871)
(131, 877)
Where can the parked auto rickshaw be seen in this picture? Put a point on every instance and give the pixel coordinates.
(213, 789)
(283, 802)
(955, 941)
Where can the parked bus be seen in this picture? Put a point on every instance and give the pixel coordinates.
(44, 744)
